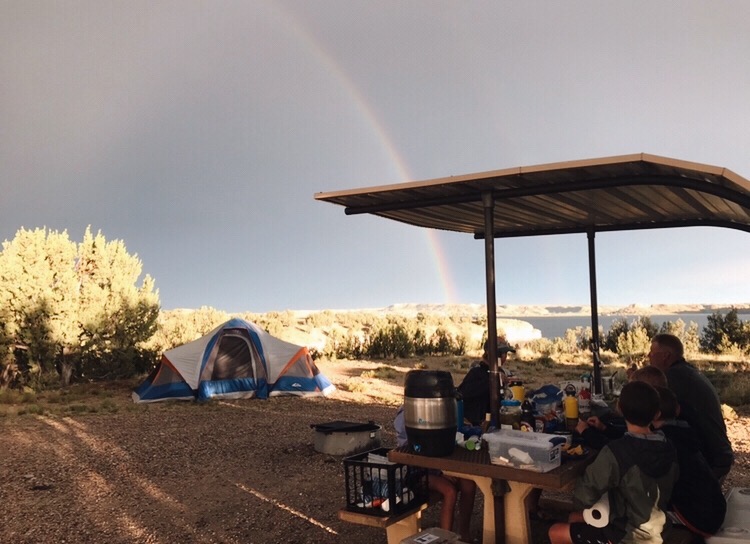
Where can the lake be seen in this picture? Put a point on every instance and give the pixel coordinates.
(555, 326)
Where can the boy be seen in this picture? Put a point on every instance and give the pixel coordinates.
(598, 431)
(635, 472)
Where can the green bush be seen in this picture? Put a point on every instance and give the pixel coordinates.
(725, 333)
(382, 373)
(72, 304)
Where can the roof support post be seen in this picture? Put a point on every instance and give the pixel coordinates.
(597, 381)
(488, 202)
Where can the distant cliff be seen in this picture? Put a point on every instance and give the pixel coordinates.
(528, 311)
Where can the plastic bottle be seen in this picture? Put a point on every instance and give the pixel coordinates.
(473, 443)
(486, 423)
(570, 405)
(459, 410)
(517, 390)
(528, 422)
(584, 399)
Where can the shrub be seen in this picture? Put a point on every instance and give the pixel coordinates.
(71, 305)
(633, 344)
(381, 373)
(689, 336)
(725, 333)
(619, 326)
(390, 341)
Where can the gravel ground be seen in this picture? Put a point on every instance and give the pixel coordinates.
(229, 472)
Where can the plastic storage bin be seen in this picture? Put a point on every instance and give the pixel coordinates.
(345, 437)
(378, 487)
(524, 450)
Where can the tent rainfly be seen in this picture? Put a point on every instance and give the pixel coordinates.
(235, 360)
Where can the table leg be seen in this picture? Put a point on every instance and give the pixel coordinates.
(489, 534)
(517, 526)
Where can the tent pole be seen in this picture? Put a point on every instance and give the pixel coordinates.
(488, 202)
(597, 381)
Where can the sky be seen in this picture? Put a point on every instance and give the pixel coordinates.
(198, 133)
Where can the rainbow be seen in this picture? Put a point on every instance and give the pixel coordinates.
(329, 63)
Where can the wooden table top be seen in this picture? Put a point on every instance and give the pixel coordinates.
(478, 463)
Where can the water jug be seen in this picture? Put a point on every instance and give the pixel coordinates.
(430, 412)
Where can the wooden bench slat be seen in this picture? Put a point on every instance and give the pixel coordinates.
(378, 521)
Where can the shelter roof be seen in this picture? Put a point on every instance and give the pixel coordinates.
(638, 191)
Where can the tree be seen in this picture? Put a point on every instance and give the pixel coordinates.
(723, 332)
(633, 344)
(9, 372)
(442, 342)
(647, 325)
(177, 327)
(75, 306)
(114, 315)
(38, 291)
(689, 336)
(619, 326)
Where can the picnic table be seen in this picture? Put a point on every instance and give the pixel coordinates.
(506, 489)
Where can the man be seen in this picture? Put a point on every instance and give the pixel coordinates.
(475, 387)
(698, 399)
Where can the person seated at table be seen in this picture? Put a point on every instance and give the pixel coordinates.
(649, 374)
(635, 474)
(448, 487)
(596, 431)
(475, 387)
(699, 402)
(697, 500)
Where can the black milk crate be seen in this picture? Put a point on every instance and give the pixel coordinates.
(374, 484)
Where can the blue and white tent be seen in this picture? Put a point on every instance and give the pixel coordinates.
(235, 360)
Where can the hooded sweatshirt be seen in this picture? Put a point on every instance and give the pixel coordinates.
(637, 472)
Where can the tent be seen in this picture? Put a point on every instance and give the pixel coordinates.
(235, 360)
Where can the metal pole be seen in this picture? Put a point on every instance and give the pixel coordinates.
(597, 381)
(489, 264)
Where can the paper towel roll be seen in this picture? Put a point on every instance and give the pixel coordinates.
(598, 514)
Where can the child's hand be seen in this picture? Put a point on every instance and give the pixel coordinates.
(596, 423)
(581, 426)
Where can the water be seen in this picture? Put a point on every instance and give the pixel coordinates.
(555, 326)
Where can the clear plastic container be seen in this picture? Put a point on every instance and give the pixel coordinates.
(528, 451)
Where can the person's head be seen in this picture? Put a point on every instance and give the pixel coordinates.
(669, 408)
(502, 346)
(639, 403)
(665, 350)
(649, 374)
